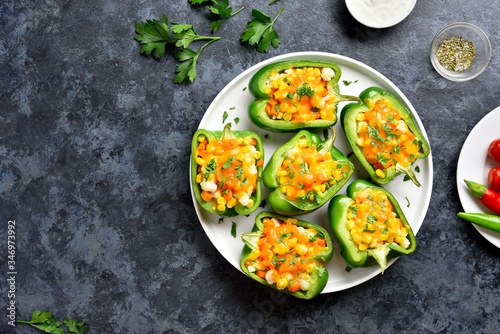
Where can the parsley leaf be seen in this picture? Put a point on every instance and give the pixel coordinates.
(233, 229)
(261, 31)
(223, 10)
(154, 36)
(46, 322)
(197, 2)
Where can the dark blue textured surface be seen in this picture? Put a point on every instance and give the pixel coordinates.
(94, 150)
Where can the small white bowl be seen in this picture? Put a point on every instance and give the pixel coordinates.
(471, 33)
(380, 13)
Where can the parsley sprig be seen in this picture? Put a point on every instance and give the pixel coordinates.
(155, 36)
(223, 10)
(46, 322)
(261, 31)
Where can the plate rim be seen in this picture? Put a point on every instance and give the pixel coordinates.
(372, 271)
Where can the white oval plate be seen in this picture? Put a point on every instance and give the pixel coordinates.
(234, 100)
(474, 165)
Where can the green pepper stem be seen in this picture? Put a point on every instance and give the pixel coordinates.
(477, 189)
(327, 145)
(380, 255)
(227, 133)
(342, 98)
(250, 239)
(408, 171)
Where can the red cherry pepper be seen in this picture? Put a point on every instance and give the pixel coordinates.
(487, 196)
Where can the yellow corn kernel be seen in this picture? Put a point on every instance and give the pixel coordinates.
(279, 248)
(247, 140)
(399, 240)
(402, 137)
(310, 268)
(283, 189)
(302, 143)
(390, 239)
(360, 117)
(292, 110)
(356, 238)
(332, 181)
(349, 215)
(380, 173)
(351, 224)
(254, 255)
(221, 207)
(221, 200)
(392, 233)
(363, 247)
(200, 161)
(199, 178)
(282, 284)
(311, 198)
(367, 238)
(267, 90)
(403, 232)
(301, 249)
(279, 116)
(274, 84)
(284, 107)
(360, 142)
(250, 203)
(287, 117)
(323, 114)
(369, 103)
(201, 139)
(292, 242)
(387, 103)
(232, 203)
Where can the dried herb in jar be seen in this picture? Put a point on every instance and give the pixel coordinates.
(456, 53)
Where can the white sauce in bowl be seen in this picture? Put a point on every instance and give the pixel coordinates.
(380, 13)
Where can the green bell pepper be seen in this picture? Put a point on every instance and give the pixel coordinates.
(307, 186)
(224, 175)
(341, 218)
(287, 254)
(260, 80)
(351, 116)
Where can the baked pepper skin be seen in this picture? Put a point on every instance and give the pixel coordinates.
(337, 214)
(214, 135)
(348, 121)
(257, 109)
(319, 275)
(277, 200)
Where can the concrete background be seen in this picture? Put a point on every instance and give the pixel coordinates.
(94, 151)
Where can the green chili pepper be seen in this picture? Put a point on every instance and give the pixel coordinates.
(217, 167)
(257, 86)
(491, 222)
(338, 215)
(349, 120)
(290, 260)
(303, 204)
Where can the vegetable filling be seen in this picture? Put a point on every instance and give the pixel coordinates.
(301, 95)
(384, 138)
(307, 173)
(285, 254)
(227, 171)
(372, 222)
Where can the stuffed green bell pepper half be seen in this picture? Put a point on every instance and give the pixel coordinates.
(383, 135)
(305, 173)
(369, 225)
(295, 95)
(287, 254)
(226, 169)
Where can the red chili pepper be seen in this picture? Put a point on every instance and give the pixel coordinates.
(487, 196)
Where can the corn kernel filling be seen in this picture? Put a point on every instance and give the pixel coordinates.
(227, 171)
(300, 95)
(285, 254)
(384, 138)
(306, 174)
(372, 222)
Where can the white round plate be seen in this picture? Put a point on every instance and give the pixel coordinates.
(380, 13)
(234, 100)
(474, 165)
